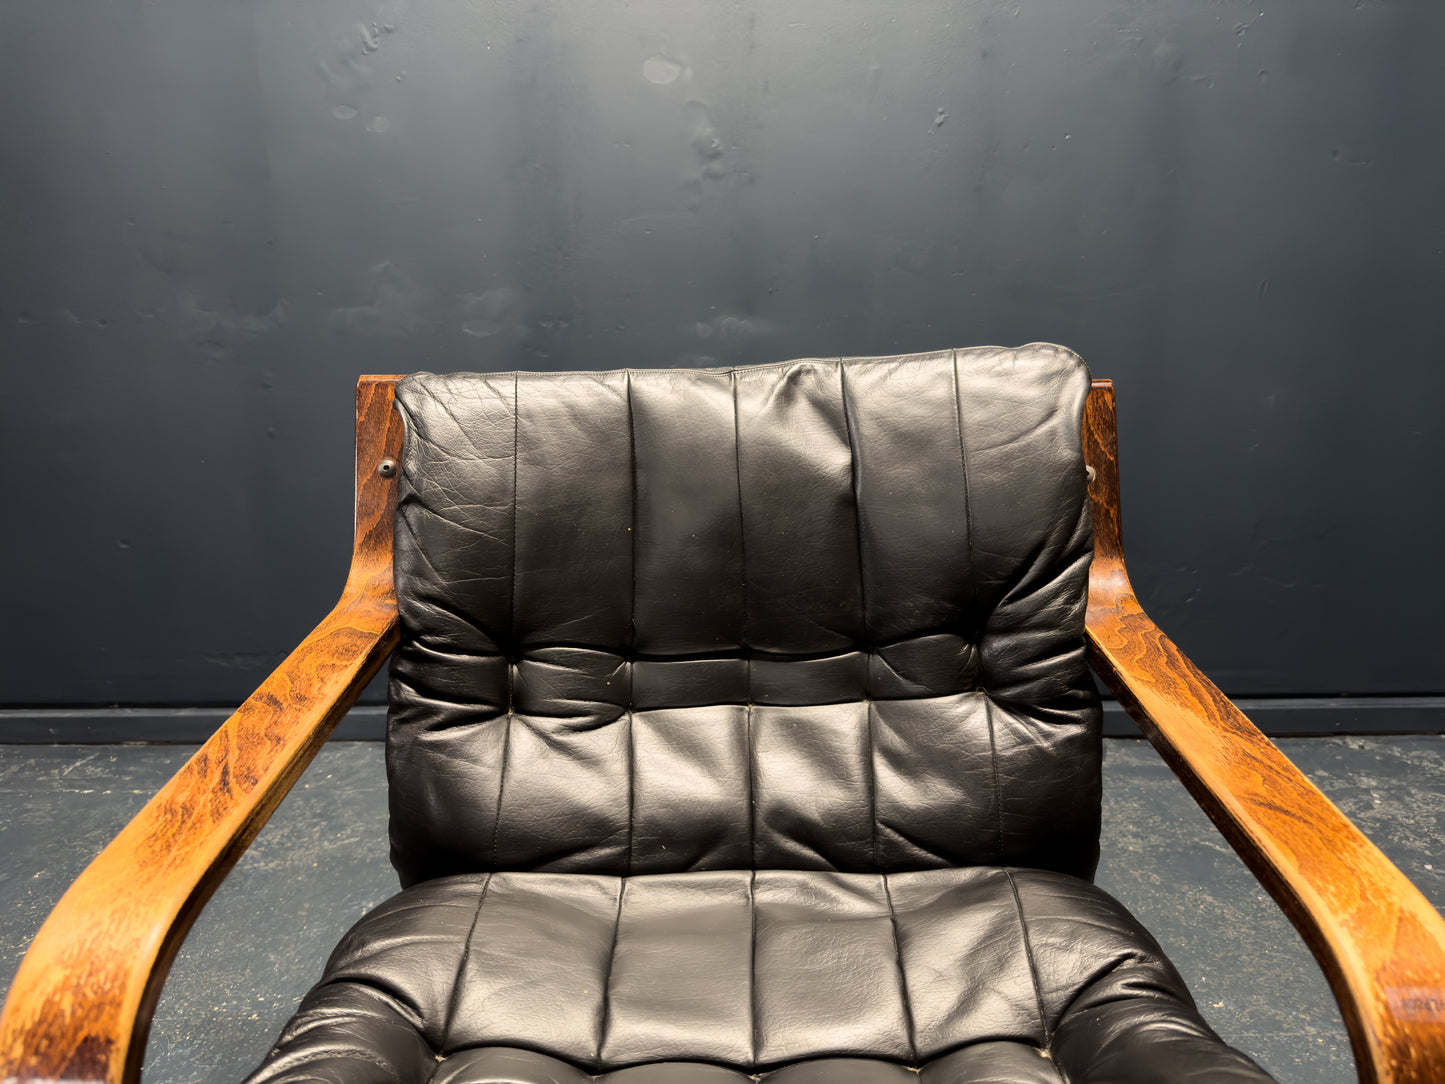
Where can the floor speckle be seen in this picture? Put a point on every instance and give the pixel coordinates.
(321, 863)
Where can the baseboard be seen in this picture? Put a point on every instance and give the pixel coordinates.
(1286, 716)
(123, 726)
(1305, 716)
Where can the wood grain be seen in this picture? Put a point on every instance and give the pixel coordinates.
(80, 1006)
(1379, 941)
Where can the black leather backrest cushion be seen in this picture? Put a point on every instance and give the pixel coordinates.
(820, 615)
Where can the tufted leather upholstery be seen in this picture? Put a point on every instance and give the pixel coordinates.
(808, 616)
(543, 977)
(740, 725)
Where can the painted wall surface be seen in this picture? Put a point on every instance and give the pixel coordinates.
(214, 214)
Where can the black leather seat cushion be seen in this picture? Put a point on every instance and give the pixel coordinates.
(971, 974)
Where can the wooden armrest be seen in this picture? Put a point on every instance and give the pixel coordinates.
(81, 1003)
(1380, 943)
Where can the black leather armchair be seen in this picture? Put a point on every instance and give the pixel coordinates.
(741, 729)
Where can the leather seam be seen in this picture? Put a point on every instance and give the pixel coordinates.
(872, 783)
(902, 975)
(753, 966)
(631, 788)
(502, 778)
(742, 523)
(975, 593)
(1029, 957)
(997, 786)
(870, 724)
(978, 617)
(454, 999)
(746, 650)
(967, 515)
(606, 1022)
(727, 655)
(631, 646)
(977, 613)
(516, 502)
(512, 630)
(752, 785)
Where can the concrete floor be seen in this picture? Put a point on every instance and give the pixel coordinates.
(321, 863)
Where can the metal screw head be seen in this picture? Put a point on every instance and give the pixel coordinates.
(386, 468)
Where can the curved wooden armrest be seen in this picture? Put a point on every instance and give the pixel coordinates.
(1379, 941)
(80, 1006)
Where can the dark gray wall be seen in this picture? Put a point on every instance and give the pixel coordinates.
(215, 213)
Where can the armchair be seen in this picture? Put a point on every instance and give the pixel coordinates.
(740, 727)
